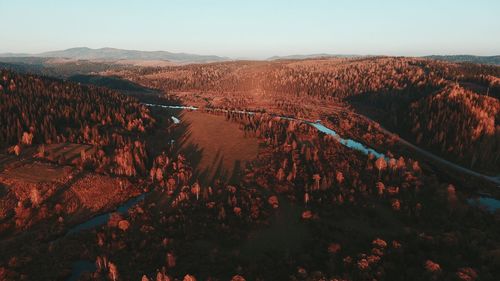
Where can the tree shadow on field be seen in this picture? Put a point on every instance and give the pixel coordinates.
(208, 158)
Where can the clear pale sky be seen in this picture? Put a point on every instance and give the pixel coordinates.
(254, 28)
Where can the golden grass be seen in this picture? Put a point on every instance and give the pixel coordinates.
(36, 172)
(95, 192)
(222, 145)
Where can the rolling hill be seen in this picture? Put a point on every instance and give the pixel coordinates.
(468, 58)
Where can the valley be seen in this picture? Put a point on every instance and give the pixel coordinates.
(262, 170)
(263, 140)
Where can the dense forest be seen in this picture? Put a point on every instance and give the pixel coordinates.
(461, 123)
(305, 208)
(38, 110)
(390, 90)
(349, 217)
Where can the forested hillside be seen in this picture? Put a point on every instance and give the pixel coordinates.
(38, 110)
(393, 91)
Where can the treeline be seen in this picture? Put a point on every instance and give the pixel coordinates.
(204, 77)
(460, 123)
(335, 78)
(326, 79)
(38, 110)
(339, 79)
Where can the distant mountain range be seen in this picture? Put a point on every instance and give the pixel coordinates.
(468, 58)
(113, 55)
(494, 60)
(84, 53)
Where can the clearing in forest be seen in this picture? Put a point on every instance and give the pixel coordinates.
(216, 146)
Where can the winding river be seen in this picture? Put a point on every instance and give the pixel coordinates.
(487, 202)
(103, 219)
(320, 127)
(80, 266)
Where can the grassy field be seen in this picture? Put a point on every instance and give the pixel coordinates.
(69, 151)
(94, 192)
(216, 146)
(82, 194)
(36, 172)
(20, 178)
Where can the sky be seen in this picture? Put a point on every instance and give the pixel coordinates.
(254, 28)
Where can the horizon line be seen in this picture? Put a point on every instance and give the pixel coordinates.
(316, 54)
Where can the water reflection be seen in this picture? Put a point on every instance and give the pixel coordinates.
(320, 127)
(489, 203)
(175, 119)
(346, 142)
(80, 267)
(103, 219)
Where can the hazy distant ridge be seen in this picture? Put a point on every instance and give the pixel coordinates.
(453, 58)
(468, 58)
(84, 53)
(113, 54)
